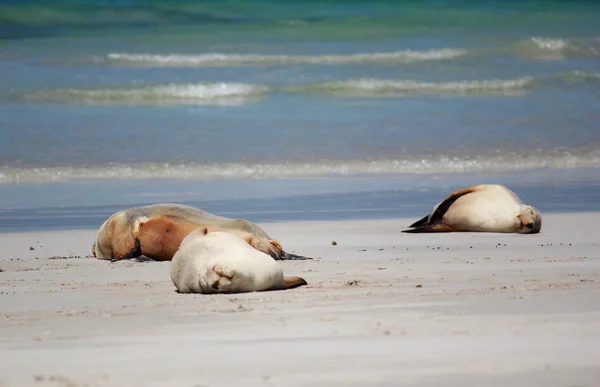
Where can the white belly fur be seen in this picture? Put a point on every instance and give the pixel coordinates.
(193, 265)
(493, 208)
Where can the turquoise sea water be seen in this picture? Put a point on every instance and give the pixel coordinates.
(111, 103)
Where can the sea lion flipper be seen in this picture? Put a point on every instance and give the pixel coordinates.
(420, 223)
(293, 282)
(292, 257)
(440, 211)
(439, 227)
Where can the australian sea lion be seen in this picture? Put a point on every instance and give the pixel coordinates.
(222, 262)
(484, 207)
(160, 237)
(165, 227)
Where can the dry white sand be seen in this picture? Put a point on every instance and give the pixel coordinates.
(491, 310)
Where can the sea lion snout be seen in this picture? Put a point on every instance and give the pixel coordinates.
(531, 220)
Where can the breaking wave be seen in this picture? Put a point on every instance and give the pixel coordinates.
(219, 59)
(369, 86)
(542, 48)
(197, 94)
(554, 159)
(556, 48)
(233, 94)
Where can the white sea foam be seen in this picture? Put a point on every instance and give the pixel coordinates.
(220, 59)
(557, 48)
(233, 94)
(207, 93)
(550, 44)
(559, 160)
(369, 86)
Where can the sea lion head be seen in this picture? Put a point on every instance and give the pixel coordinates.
(530, 219)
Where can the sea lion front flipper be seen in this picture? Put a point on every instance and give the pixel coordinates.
(293, 282)
(440, 211)
(439, 227)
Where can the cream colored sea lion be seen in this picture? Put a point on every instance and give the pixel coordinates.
(165, 227)
(222, 262)
(486, 208)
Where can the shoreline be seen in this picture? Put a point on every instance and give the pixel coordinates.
(83, 206)
(491, 309)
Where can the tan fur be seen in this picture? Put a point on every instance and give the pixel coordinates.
(116, 238)
(484, 208)
(161, 236)
(119, 238)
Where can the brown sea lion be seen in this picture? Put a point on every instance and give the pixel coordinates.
(485, 208)
(160, 237)
(165, 226)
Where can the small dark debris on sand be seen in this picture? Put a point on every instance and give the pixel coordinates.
(355, 282)
(31, 248)
(67, 257)
(333, 243)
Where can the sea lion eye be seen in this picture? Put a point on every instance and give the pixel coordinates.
(529, 225)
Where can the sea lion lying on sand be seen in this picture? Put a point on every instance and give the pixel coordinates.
(157, 230)
(222, 262)
(486, 208)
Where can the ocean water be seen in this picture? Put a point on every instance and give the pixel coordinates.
(313, 109)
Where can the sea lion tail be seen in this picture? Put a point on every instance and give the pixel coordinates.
(429, 228)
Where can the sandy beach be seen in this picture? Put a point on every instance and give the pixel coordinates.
(381, 308)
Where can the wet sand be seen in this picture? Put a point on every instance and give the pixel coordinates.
(381, 308)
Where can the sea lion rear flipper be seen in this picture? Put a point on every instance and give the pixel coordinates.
(420, 223)
(292, 257)
(439, 227)
(293, 282)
